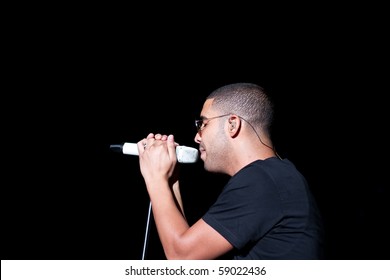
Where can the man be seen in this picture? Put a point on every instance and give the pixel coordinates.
(266, 209)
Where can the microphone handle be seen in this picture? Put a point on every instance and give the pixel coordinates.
(184, 154)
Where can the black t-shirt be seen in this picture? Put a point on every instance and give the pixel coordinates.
(266, 211)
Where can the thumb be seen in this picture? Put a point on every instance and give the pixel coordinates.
(171, 146)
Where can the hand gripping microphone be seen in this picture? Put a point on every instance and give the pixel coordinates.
(184, 154)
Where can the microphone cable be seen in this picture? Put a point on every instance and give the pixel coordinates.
(147, 231)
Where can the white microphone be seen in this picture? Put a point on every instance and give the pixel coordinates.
(184, 154)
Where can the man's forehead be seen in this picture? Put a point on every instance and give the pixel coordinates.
(207, 107)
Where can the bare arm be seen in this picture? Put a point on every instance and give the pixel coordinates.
(177, 197)
(179, 240)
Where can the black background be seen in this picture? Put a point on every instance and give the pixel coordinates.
(78, 84)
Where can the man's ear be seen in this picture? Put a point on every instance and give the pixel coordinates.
(232, 125)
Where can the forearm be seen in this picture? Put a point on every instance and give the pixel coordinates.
(168, 215)
(177, 197)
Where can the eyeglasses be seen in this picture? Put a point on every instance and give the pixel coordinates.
(201, 124)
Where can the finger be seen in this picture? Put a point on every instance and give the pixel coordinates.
(141, 146)
(171, 146)
(150, 136)
(149, 140)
